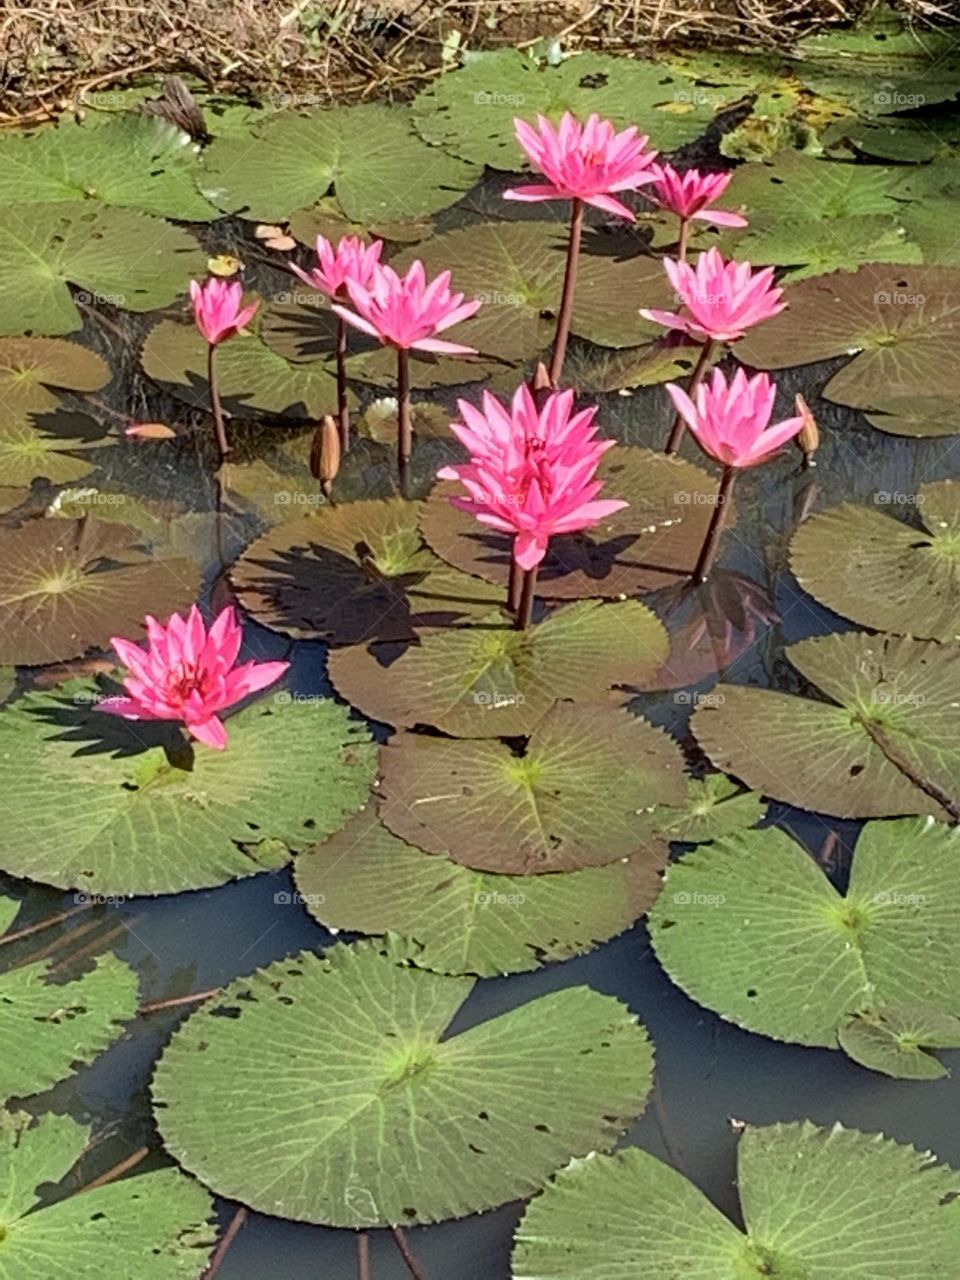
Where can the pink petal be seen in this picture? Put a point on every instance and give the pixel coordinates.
(210, 732)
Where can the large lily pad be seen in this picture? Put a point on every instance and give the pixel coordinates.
(156, 1226)
(752, 928)
(44, 445)
(251, 375)
(652, 543)
(471, 112)
(885, 573)
(30, 369)
(134, 161)
(370, 155)
(901, 324)
(327, 219)
(387, 1117)
(367, 880)
(115, 256)
(123, 807)
(885, 744)
(353, 573)
(814, 248)
(798, 187)
(68, 585)
(487, 679)
(825, 1203)
(48, 1029)
(581, 795)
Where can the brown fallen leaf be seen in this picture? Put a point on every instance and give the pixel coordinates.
(265, 231)
(282, 242)
(150, 431)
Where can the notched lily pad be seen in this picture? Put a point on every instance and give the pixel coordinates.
(898, 1040)
(716, 806)
(31, 369)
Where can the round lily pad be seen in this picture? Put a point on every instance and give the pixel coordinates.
(47, 1028)
(379, 168)
(487, 679)
(30, 369)
(157, 1226)
(125, 807)
(366, 880)
(581, 794)
(114, 256)
(652, 543)
(884, 745)
(814, 247)
(898, 1040)
(44, 445)
(715, 806)
(825, 1203)
(388, 1118)
(917, 417)
(355, 573)
(881, 571)
(68, 585)
(750, 927)
(804, 188)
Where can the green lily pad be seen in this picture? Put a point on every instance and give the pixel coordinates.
(367, 880)
(900, 323)
(819, 247)
(380, 422)
(581, 795)
(929, 222)
(276, 483)
(133, 161)
(114, 256)
(327, 219)
(353, 573)
(825, 1203)
(470, 112)
(392, 1119)
(487, 679)
(30, 369)
(897, 1040)
(882, 572)
(156, 1226)
(752, 928)
(799, 188)
(652, 543)
(380, 169)
(883, 746)
(251, 375)
(146, 815)
(44, 446)
(68, 585)
(48, 1029)
(596, 371)
(920, 418)
(715, 806)
(913, 138)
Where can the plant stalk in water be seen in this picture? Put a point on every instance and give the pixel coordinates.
(700, 368)
(708, 552)
(363, 1256)
(565, 315)
(404, 415)
(343, 411)
(216, 408)
(527, 592)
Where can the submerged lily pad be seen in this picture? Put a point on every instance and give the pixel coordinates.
(652, 543)
(392, 1119)
(354, 573)
(379, 168)
(885, 744)
(752, 928)
(144, 814)
(30, 369)
(829, 1203)
(157, 1226)
(581, 795)
(48, 1029)
(134, 161)
(114, 256)
(716, 806)
(488, 679)
(44, 446)
(882, 572)
(917, 417)
(898, 1040)
(68, 585)
(470, 112)
(367, 880)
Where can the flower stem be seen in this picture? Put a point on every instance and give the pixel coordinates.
(363, 1256)
(343, 412)
(708, 551)
(684, 239)
(513, 586)
(700, 368)
(569, 288)
(404, 415)
(215, 405)
(413, 1266)
(527, 590)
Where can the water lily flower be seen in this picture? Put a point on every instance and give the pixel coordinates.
(188, 673)
(217, 309)
(351, 259)
(689, 195)
(724, 299)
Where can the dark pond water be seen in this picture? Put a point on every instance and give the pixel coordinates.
(708, 1072)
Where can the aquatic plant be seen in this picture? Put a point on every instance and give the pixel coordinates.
(689, 194)
(219, 315)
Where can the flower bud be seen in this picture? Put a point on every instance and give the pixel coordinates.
(808, 439)
(540, 384)
(325, 453)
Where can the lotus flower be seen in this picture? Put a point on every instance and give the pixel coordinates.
(587, 162)
(689, 193)
(731, 421)
(217, 310)
(350, 260)
(189, 674)
(406, 312)
(724, 299)
(531, 473)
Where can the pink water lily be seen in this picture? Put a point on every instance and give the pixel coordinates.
(690, 193)
(217, 309)
(723, 299)
(731, 420)
(188, 673)
(587, 162)
(406, 312)
(351, 259)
